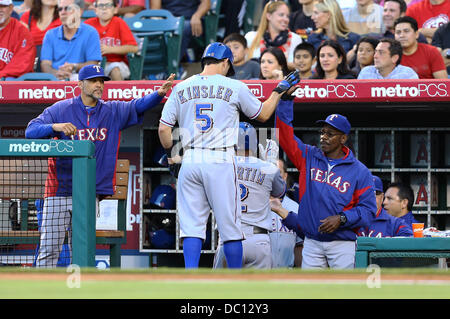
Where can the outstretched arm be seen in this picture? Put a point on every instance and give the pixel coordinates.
(286, 85)
(152, 100)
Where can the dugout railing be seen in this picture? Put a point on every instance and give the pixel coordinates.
(22, 174)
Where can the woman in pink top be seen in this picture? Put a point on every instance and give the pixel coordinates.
(42, 17)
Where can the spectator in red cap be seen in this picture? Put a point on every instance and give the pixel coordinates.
(17, 52)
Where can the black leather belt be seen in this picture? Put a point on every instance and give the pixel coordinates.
(259, 230)
(222, 149)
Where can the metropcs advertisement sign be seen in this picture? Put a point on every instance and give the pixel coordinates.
(42, 147)
(317, 91)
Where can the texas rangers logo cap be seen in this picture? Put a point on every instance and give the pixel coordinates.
(91, 71)
(337, 121)
(378, 183)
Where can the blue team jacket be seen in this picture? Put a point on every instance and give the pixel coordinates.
(102, 125)
(347, 187)
(409, 219)
(385, 225)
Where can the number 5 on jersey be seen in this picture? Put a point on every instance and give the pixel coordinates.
(204, 121)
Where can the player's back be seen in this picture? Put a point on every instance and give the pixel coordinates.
(258, 180)
(207, 110)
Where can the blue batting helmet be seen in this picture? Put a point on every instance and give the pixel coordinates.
(219, 51)
(164, 196)
(161, 238)
(160, 157)
(247, 140)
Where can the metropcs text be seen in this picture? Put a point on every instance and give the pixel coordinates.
(227, 308)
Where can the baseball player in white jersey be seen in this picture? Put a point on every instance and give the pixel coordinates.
(258, 180)
(286, 244)
(206, 106)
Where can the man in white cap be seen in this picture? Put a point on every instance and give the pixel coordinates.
(17, 52)
(85, 117)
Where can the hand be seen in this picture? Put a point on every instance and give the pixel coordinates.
(67, 67)
(162, 91)
(270, 152)
(330, 224)
(62, 75)
(105, 49)
(289, 80)
(277, 208)
(196, 26)
(67, 128)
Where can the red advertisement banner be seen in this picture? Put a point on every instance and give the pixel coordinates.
(310, 91)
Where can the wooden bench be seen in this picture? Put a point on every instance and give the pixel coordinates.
(24, 179)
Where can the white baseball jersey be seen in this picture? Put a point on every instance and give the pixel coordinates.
(258, 180)
(207, 110)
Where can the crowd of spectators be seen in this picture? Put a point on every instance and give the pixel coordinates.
(323, 39)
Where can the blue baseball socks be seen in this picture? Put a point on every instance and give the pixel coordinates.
(233, 253)
(192, 247)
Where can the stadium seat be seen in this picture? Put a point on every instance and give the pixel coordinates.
(88, 14)
(163, 33)
(211, 20)
(249, 23)
(34, 76)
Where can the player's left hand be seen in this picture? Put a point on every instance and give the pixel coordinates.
(289, 81)
(162, 91)
(330, 224)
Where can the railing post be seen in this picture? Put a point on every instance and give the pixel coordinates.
(83, 218)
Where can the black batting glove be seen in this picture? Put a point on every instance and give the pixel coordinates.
(175, 169)
(290, 80)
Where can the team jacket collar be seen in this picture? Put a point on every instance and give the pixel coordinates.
(77, 100)
(347, 159)
(382, 214)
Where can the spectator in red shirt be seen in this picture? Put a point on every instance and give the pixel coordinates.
(41, 17)
(126, 9)
(116, 39)
(430, 15)
(17, 52)
(423, 58)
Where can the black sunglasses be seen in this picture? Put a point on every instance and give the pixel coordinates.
(66, 8)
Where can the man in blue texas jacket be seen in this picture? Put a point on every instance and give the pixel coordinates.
(384, 225)
(335, 190)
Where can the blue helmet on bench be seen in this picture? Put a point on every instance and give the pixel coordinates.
(164, 196)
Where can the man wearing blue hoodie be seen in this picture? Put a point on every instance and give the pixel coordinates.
(384, 225)
(398, 202)
(335, 190)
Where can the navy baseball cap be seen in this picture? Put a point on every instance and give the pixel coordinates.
(337, 121)
(92, 71)
(378, 184)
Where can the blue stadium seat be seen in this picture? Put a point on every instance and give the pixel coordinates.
(34, 76)
(163, 33)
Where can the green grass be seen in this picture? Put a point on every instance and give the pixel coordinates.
(217, 288)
